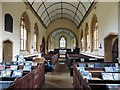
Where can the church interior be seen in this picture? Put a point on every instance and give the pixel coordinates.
(59, 44)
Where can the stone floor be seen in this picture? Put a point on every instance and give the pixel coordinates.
(60, 78)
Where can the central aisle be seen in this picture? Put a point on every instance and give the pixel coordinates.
(60, 78)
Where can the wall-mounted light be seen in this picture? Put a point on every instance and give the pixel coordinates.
(100, 46)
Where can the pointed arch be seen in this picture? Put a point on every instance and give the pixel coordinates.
(35, 37)
(42, 46)
(25, 32)
(94, 33)
(86, 37)
(115, 50)
(65, 29)
(7, 51)
(8, 23)
(62, 42)
(111, 47)
(81, 41)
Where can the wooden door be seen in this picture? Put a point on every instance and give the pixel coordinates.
(7, 51)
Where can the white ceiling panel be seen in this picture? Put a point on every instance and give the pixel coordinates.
(79, 14)
(54, 7)
(91, 1)
(74, 3)
(41, 10)
(44, 16)
(69, 12)
(81, 9)
(48, 22)
(86, 4)
(55, 17)
(84, 0)
(36, 5)
(69, 6)
(68, 16)
(55, 12)
(37, 0)
(77, 18)
(76, 22)
(50, 10)
(48, 4)
(30, 1)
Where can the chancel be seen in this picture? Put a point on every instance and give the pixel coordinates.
(60, 44)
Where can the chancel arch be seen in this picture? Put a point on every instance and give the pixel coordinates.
(60, 32)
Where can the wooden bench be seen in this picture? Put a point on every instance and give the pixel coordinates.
(52, 57)
(81, 83)
(79, 58)
(30, 80)
(50, 61)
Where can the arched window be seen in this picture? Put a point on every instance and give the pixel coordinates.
(62, 42)
(35, 37)
(94, 33)
(8, 23)
(82, 41)
(24, 33)
(34, 40)
(87, 43)
(95, 36)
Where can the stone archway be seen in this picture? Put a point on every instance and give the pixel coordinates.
(115, 50)
(75, 37)
(7, 51)
(109, 47)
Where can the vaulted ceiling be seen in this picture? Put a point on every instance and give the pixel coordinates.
(51, 10)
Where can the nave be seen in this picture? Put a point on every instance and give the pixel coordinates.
(86, 31)
(60, 78)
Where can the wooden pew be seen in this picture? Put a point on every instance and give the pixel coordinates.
(52, 57)
(79, 58)
(33, 79)
(97, 82)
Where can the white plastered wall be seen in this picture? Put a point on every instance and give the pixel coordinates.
(62, 23)
(69, 40)
(107, 16)
(0, 31)
(16, 9)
